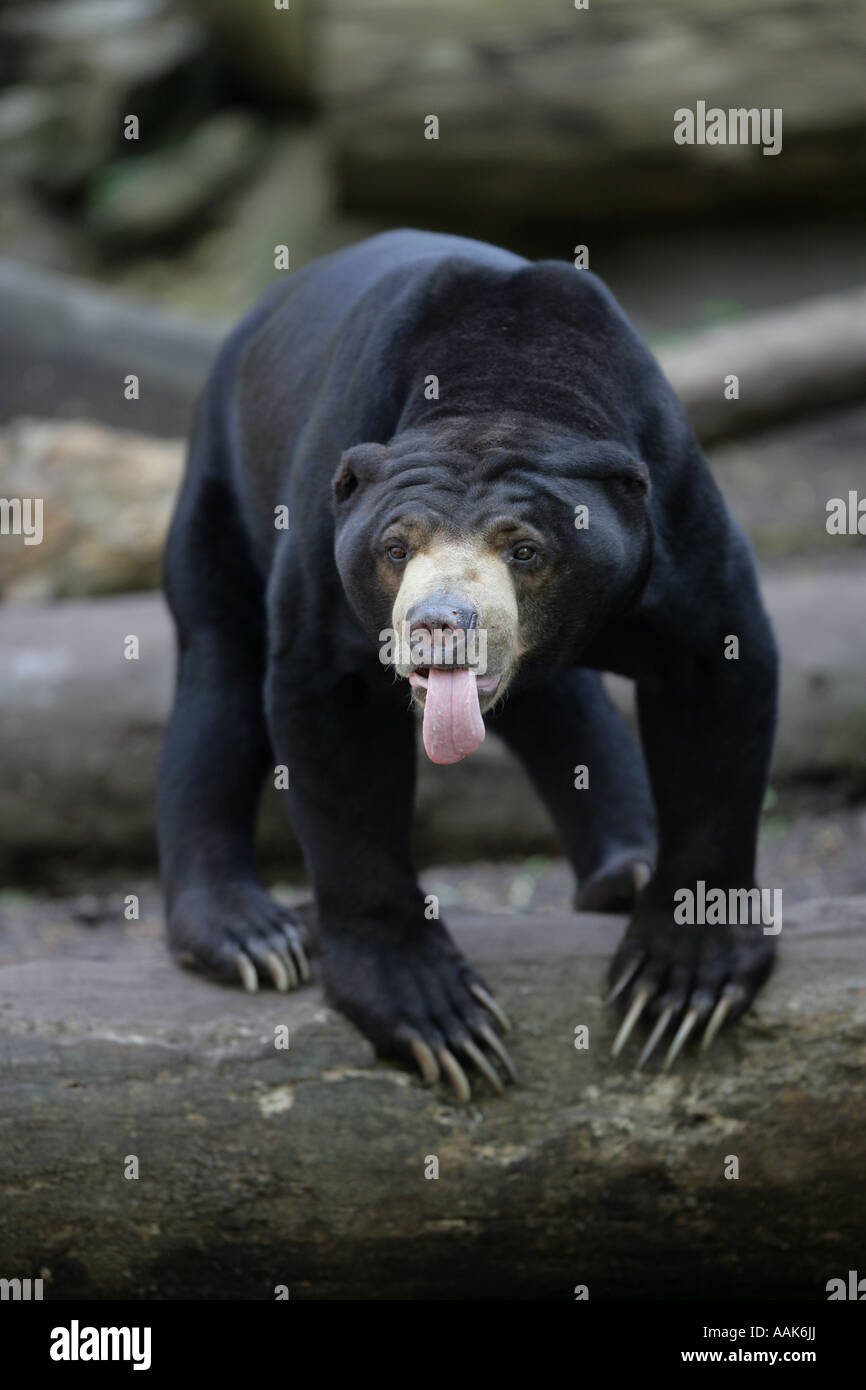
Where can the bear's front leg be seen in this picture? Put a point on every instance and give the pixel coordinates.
(707, 723)
(389, 965)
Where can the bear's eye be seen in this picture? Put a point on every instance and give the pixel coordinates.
(524, 552)
(396, 551)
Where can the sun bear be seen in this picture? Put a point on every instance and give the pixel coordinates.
(430, 476)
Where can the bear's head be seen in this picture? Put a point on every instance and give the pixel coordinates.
(484, 552)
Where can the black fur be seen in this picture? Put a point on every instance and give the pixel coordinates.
(548, 399)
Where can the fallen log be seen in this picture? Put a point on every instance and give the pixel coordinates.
(66, 347)
(549, 113)
(307, 1167)
(81, 728)
(789, 363)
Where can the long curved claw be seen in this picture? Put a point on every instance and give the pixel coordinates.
(425, 1057)
(625, 978)
(278, 972)
(652, 1041)
(641, 874)
(495, 1044)
(681, 1037)
(717, 1018)
(303, 963)
(636, 1008)
(247, 972)
(481, 1064)
(455, 1073)
(288, 960)
(490, 1004)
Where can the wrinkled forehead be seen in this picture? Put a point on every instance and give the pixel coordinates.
(481, 442)
(469, 475)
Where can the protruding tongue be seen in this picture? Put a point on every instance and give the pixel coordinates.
(453, 725)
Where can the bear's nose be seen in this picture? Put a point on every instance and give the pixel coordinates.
(442, 611)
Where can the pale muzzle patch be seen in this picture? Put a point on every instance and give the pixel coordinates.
(481, 581)
(466, 674)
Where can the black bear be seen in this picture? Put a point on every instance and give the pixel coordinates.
(427, 473)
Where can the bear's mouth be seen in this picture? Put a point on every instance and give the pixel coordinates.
(485, 685)
(451, 697)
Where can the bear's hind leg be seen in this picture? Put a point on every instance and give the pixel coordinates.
(589, 771)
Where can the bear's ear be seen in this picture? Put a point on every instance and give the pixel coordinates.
(360, 464)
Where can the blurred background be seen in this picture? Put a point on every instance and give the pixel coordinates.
(259, 127)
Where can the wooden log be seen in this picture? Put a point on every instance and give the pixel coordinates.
(551, 114)
(81, 727)
(66, 346)
(305, 1167)
(789, 363)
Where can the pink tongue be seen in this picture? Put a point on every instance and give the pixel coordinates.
(453, 725)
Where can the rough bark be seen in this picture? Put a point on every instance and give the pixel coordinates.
(305, 1167)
